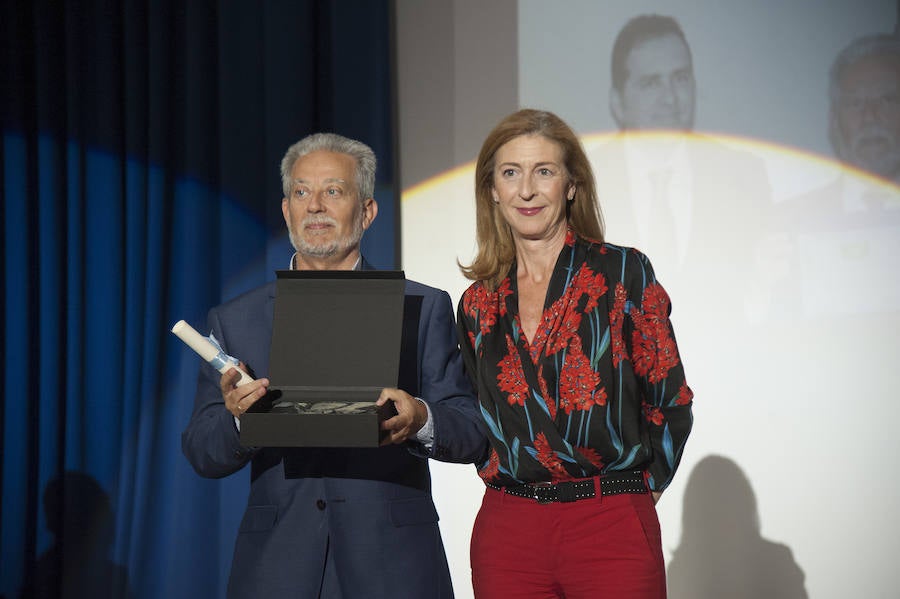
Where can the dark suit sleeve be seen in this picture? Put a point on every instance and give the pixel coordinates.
(210, 442)
(458, 436)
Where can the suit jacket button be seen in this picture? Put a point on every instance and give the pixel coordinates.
(320, 504)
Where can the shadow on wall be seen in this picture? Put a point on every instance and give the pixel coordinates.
(722, 553)
(81, 520)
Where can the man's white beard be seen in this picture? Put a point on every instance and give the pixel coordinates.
(326, 250)
(874, 150)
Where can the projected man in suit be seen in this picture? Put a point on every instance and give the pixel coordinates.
(864, 129)
(686, 199)
(337, 523)
(850, 227)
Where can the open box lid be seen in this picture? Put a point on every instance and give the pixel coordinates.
(336, 334)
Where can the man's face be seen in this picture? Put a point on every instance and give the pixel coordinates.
(324, 215)
(866, 121)
(659, 90)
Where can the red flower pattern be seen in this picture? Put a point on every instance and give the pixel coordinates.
(511, 378)
(586, 282)
(592, 456)
(478, 305)
(502, 291)
(545, 393)
(484, 306)
(616, 320)
(567, 329)
(655, 301)
(561, 321)
(655, 352)
(652, 414)
(685, 395)
(578, 382)
(549, 460)
(492, 468)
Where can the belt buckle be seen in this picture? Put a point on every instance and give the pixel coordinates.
(536, 495)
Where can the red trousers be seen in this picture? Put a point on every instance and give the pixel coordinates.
(588, 549)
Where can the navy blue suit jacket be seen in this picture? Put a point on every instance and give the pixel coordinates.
(354, 522)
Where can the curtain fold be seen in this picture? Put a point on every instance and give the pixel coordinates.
(140, 150)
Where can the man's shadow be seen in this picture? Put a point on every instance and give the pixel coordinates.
(80, 517)
(722, 553)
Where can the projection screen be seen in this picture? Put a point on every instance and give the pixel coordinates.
(782, 275)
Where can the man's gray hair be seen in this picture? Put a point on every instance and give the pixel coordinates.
(882, 45)
(332, 142)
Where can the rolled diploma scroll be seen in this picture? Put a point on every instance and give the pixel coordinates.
(206, 350)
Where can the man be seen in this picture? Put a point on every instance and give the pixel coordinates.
(850, 227)
(864, 129)
(864, 90)
(693, 204)
(337, 523)
(652, 76)
(690, 202)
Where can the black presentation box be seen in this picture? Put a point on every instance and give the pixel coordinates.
(335, 345)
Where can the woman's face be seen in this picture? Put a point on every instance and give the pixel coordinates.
(531, 186)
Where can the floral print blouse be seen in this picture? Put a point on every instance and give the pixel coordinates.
(600, 387)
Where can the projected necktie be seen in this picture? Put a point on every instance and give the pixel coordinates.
(661, 228)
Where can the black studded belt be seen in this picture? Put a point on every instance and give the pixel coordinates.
(612, 483)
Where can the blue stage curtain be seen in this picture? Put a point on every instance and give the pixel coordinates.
(141, 142)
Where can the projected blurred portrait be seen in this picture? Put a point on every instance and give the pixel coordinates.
(864, 90)
(850, 227)
(652, 76)
(687, 199)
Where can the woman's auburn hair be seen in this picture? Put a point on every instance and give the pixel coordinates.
(496, 249)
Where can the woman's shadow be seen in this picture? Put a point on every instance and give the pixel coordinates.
(722, 553)
(80, 516)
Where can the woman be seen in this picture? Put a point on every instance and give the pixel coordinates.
(568, 341)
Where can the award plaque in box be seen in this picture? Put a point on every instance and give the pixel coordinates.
(336, 339)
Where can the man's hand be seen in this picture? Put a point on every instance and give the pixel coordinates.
(411, 415)
(239, 399)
